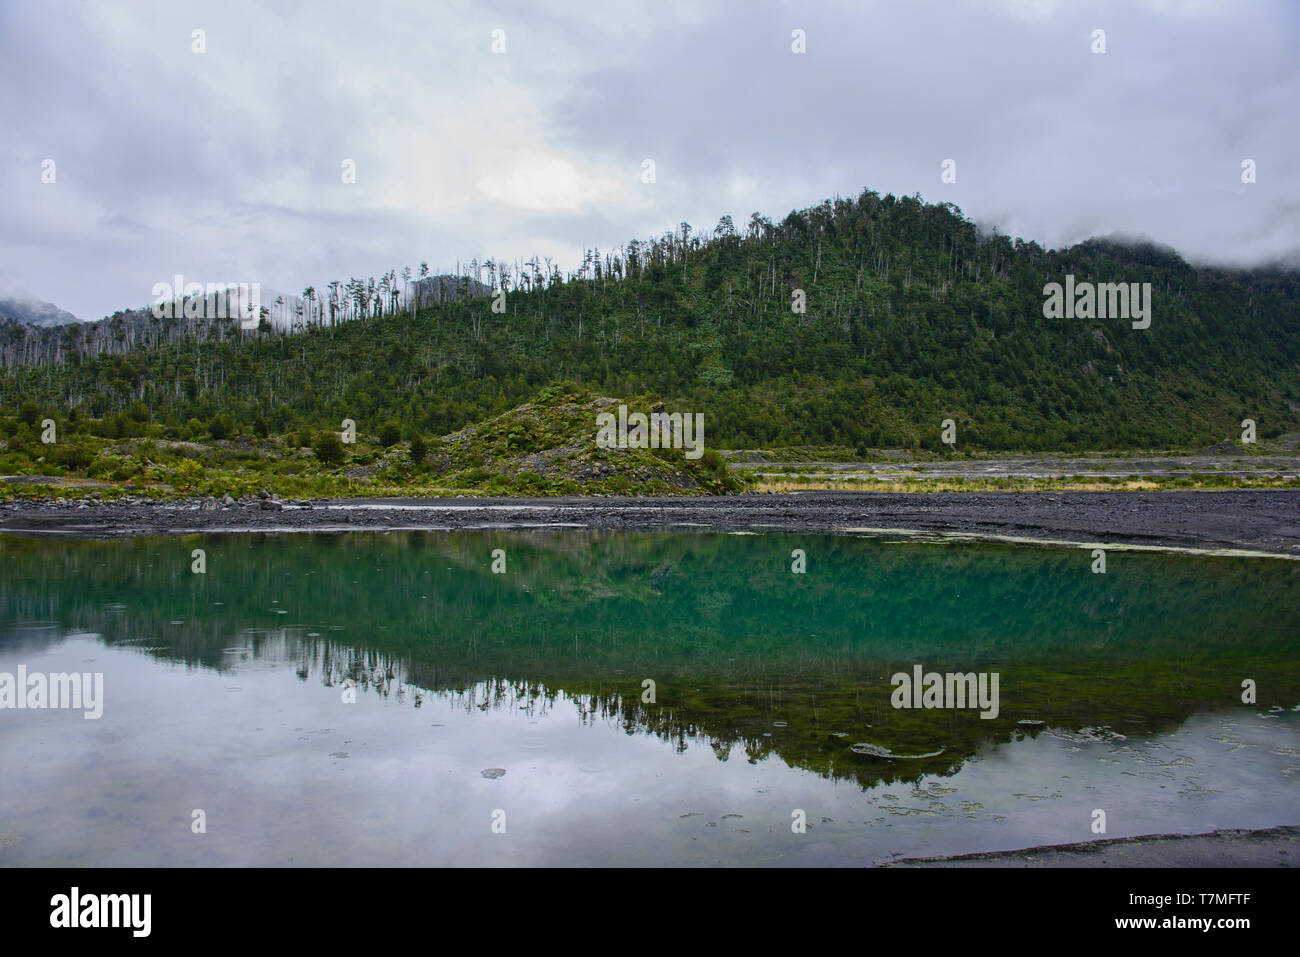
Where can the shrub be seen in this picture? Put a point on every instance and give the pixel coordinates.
(219, 426)
(389, 434)
(72, 456)
(328, 448)
(418, 450)
(714, 462)
(185, 477)
(529, 483)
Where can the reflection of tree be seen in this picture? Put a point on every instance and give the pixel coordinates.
(733, 640)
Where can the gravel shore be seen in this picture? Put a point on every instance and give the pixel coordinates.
(1266, 521)
(1274, 847)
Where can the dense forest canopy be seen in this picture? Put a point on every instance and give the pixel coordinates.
(912, 316)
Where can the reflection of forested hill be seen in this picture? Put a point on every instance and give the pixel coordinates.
(733, 640)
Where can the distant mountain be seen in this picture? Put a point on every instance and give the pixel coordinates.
(285, 312)
(34, 312)
(30, 336)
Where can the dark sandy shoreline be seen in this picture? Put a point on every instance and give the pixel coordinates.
(1273, 847)
(1264, 521)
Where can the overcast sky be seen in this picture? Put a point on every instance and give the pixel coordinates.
(226, 166)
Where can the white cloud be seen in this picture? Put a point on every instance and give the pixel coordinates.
(538, 182)
(226, 164)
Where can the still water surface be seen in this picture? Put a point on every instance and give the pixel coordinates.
(230, 692)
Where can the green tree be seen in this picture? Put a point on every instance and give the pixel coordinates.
(328, 448)
(220, 426)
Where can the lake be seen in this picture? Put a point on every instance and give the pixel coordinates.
(569, 697)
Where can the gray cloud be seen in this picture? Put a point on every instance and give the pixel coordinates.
(225, 166)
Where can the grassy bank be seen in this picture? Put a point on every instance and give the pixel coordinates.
(541, 448)
(1068, 483)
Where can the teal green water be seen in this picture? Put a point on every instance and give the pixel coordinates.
(232, 691)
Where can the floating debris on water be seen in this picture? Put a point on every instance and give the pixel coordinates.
(1089, 735)
(876, 751)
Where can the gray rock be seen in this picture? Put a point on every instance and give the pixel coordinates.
(227, 501)
(1223, 448)
(210, 504)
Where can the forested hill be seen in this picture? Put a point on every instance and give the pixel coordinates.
(912, 317)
